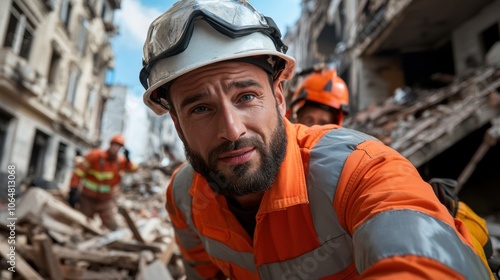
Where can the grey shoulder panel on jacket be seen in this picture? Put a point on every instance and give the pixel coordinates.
(328, 157)
(182, 182)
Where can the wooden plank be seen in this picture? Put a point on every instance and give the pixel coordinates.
(37, 202)
(131, 224)
(108, 274)
(149, 231)
(135, 246)
(21, 266)
(72, 272)
(100, 241)
(167, 254)
(51, 260)
(112, 258)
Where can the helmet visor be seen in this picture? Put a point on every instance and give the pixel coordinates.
(170, 33)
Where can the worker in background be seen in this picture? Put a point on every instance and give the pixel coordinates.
(262, 198)
(96, 180)
(321, 98)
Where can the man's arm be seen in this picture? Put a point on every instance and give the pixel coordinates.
(127, 165)
(399, 227)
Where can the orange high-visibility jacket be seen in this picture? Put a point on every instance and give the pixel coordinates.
(98, 175)
(343, 206)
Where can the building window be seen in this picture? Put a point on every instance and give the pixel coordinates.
(61, 163)
(489, 37)
(107, 12)
(54, 66)
(4, 126)
(38, 155)
(19, 32)
(74, 76)
(91, 99)
(83, 35)
(65, 12)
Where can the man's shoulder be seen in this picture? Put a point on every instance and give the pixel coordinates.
(309, 137)
(183, 175)
(95, 154)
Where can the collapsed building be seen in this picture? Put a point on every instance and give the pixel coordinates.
(54, 58)
(423, 77)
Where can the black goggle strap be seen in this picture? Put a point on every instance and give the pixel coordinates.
(159, 96)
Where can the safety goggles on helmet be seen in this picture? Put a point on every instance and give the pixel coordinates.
(172, 31)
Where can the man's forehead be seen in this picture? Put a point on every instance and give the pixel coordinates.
(233, 69)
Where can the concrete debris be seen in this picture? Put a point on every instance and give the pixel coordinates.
(55, 241)
(422, 123)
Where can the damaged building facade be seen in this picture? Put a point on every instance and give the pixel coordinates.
(423, 77)
(54, 56)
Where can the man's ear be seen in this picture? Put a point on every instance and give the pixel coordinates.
(280, 97)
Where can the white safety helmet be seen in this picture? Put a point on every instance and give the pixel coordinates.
(195, 33)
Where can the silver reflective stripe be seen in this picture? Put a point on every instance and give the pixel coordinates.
(191, 272)
(222, 252)
(322, 180)
(328, 157)
(316, 264)
(181, 185)
(335, 253)
(183, 200)
(187, 237)
(426, 236)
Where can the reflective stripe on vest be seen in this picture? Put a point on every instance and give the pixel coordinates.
(216, 249)
(189, 237)
(96, 187)
(380, 237)
(79, 172)
(101, 175)
(335, 253)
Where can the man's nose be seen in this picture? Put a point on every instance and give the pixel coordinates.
(231, 125)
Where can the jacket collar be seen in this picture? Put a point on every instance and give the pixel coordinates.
(289, 188)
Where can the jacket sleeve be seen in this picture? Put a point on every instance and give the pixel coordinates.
(196, 260)
(399, 228)
(80, 170)
(128, 166)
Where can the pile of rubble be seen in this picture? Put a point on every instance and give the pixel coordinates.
(54, 241)
(412, 119)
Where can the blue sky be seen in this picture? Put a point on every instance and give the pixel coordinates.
(135, 16)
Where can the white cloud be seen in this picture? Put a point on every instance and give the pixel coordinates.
(134, 20)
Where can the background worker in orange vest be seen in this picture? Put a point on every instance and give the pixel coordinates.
(95, 181)
(321, 98)
(262, 198)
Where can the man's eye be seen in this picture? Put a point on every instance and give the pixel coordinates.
(199, 109)
(247, 97)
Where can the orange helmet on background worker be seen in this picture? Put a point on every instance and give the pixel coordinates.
(118, 139)
(322, 89)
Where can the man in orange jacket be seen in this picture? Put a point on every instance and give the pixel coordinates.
(95, 181)
(261, 198)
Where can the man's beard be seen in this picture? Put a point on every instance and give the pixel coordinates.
(242, 181)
